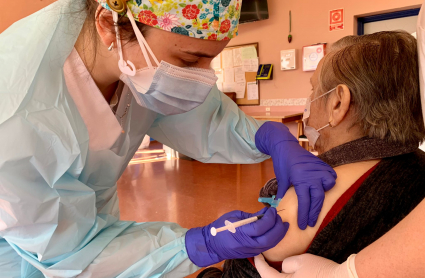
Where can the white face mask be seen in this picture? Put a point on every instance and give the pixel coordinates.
(164, 88)
(311, 133)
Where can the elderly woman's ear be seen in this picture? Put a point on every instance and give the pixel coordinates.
(339, 104)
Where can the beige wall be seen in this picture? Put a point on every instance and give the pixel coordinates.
(309, 26)
(13, 10)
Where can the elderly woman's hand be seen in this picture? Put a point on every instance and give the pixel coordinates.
(294, 165)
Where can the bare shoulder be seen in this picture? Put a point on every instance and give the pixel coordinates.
(296, 240)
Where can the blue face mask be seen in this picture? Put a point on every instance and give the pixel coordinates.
(165, 89)
(170, 90)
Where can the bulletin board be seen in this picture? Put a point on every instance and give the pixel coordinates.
(250, 76)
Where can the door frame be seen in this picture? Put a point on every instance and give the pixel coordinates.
(379, 17)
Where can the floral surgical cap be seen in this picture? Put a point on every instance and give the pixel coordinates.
(216, 20)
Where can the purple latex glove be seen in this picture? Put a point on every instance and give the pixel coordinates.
(294, 165)
(250, 240)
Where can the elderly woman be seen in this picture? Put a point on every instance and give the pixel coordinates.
(364, 118)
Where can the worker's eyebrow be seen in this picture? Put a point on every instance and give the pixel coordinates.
(199, 53)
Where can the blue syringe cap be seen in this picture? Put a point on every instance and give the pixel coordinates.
(271, 201)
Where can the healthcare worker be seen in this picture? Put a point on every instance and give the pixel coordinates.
(74, 108)
(397, 254)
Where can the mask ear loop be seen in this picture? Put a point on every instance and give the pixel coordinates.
(125, 67)
(142, 42)
(323, 127)
(328, 92)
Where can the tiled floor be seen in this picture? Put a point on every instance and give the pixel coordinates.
(188, 192)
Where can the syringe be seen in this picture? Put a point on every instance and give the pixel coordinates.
(232, 226)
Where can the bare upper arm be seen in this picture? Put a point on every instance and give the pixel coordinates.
(296, 241)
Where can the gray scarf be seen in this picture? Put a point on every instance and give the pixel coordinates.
(355, 151)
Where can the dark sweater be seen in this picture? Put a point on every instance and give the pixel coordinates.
(391, 192)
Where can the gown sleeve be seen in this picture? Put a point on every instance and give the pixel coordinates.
(51, 220)
(217, 131)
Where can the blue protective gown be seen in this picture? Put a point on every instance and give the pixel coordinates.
(59, 213)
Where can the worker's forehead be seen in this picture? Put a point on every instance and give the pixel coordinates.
(177, 43)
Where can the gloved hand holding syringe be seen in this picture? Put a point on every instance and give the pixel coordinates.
(204, 249)
(231, 227)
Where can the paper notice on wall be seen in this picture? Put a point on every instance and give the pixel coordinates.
(220, 86)
(312, 56)
(250, 65)
(249, 52)
(240, 89)
(229, 75)
(227, 59)
(237, 57)
(255, 64)
(252, 90)
(229, 87)
(239, 75)
(220, 75)
(216, 62)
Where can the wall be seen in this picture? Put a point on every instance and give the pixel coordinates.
(289, 89)
(309, 26)
(11, 11)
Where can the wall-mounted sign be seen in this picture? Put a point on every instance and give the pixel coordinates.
(336, 20)
(312, 55)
